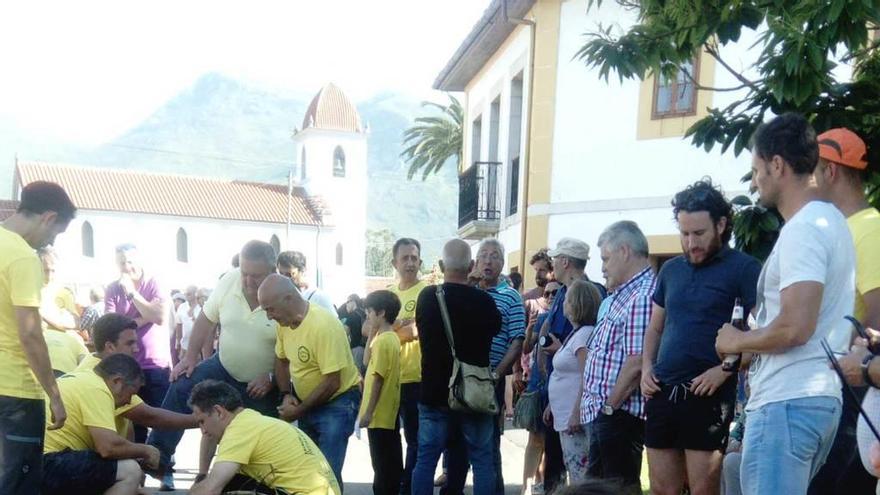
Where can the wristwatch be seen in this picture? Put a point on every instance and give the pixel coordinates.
(607, 410)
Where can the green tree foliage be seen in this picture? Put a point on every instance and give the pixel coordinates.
(799, 45)
(434, 139)
(379, 244)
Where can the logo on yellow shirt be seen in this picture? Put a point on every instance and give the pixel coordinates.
(303, 354)
(410, 305)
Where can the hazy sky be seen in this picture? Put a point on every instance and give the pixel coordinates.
(85, 71)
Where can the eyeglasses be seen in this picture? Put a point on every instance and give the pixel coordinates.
(550, 293)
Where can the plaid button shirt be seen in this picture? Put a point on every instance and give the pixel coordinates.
(617, 336)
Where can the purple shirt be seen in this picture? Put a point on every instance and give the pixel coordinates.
(154, 349)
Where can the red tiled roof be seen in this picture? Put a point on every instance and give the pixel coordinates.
(110, 189)
(331, 109)
(7, 208)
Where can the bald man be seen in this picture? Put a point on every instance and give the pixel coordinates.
(475, 320)
(312, 351)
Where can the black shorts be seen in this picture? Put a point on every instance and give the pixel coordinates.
(689, 422)
(77, 471)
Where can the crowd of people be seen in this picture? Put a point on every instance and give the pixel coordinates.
(278, 378)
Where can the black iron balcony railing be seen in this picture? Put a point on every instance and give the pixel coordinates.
(478, 197)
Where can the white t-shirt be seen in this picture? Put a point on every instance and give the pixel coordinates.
(186, 322)
(319, 297)
(814, 246)
(565, 380)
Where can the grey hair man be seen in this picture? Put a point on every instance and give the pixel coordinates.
(507, 344)
(611, 403)
(247, 350)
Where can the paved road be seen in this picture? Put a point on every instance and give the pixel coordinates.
(357, 472)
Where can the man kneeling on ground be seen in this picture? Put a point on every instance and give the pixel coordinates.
(87, 455)
(256, 452)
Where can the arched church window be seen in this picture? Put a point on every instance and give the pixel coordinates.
(88, 240)
(276, 244)
(339, 254)
(338, 162)
(182, 246)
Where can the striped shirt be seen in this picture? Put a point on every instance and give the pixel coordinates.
(617, 336)
(513, 320)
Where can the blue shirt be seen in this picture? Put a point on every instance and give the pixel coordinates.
(513, 320)
(560, 327)
(698, 300)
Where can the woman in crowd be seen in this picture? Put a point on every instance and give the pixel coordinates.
(563, 412)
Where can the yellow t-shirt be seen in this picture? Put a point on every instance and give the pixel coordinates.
(247, 342)
(65, 352)
(122, 423)
(317, 347)
(59, 304)
(384, 361)
(410, 352)
(89, 403)
(865, 229)
(276, 454)
(21, 278)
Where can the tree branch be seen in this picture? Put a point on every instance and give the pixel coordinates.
(700, 87)
(713, 51)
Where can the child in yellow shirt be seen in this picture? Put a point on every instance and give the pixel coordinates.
(378, 412)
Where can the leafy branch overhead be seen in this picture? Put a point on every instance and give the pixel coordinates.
(801, 48)
(434, 139)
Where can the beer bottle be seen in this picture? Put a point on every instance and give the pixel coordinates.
(731, 362)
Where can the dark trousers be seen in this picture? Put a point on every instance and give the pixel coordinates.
(843, 472)
(616, 445)
(241, 483)
(153, 393)
(22, 423)
(409, 419)
(385, 452)
(554, 465)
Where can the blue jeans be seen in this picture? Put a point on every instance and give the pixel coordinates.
(786, 443)
(152, 392)
(439, 427)
(178, 395)
(330, 425)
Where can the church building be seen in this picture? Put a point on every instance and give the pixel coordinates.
(188, 228)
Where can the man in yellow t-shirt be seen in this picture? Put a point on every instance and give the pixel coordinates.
(378, 411)
(65, 351)
(256, 452)
(44, 211)
(312, 349)
(117, 334)
(407, 261)
(87, 455)
(840, 177)
(57, 303)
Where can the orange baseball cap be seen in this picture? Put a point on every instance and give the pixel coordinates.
(844, 147)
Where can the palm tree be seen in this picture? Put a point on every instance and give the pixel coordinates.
(434, 139)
